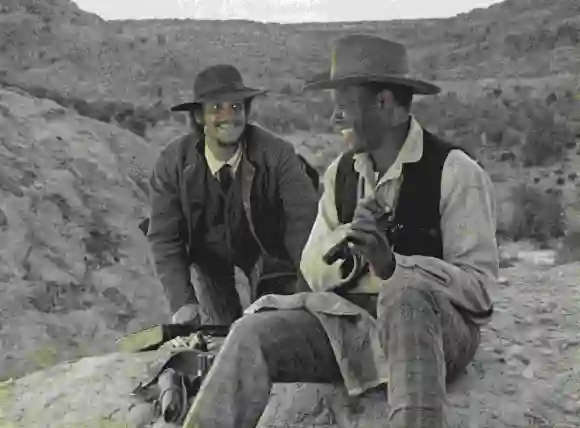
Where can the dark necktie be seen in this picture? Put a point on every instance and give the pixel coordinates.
(225, 176)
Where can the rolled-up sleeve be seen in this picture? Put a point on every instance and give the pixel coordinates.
(319, 275)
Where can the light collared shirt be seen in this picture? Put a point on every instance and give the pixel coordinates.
(215, 164)
(468, 225)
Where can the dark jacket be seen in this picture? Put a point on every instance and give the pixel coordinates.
(280, 204)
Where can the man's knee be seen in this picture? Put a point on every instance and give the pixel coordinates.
(405, 301)
(251, 329)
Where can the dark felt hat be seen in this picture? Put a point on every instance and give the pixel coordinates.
(358, 58)
(218, 83)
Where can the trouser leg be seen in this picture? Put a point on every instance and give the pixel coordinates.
(261, 349)
(427, 341)
(216, 292)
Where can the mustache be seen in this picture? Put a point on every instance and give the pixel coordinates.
(231, 123)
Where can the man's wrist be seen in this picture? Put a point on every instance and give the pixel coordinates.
(186, 313)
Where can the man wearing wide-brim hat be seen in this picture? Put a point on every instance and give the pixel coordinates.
(399, 260)
(225, 195)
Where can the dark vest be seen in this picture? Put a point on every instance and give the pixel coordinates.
(416, 226)
(225, 231)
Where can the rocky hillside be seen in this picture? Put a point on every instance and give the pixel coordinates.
(151, 59)
(55, 45)
(75, 267)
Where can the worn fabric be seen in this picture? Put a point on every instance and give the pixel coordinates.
(278, 346)
(278, 198)
(414, 227)
(225, 233)
(428, 342)
(469, 266)
(219, 300)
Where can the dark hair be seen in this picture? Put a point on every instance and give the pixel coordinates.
(403, 95)
(199, 127)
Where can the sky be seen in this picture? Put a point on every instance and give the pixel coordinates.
(284, 11)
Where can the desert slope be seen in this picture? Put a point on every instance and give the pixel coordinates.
(75, 267)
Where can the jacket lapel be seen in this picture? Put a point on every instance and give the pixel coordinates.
(247, 175)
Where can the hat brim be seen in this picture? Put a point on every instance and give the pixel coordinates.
(226, 96)
(323, 81)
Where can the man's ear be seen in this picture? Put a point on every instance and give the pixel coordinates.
(197, 116)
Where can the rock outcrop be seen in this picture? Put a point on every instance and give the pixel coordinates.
(526, 374)
(75, 269)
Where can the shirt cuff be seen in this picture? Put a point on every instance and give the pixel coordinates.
(358, 264)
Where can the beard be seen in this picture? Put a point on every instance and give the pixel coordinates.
(368, 133)
(226, 134)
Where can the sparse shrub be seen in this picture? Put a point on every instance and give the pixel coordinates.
(101, 111)
(568, 33)
(287, 89)
(82, 107)
(33, 9)
(542, 146)
(537, 215)
(137, 126)
(569, 252)
(507, 156)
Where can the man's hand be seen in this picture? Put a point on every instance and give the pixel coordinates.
(214, 344)
(366, 239)
(187, 313)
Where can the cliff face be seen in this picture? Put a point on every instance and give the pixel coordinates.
(75, 270)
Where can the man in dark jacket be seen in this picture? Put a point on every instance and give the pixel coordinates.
(223, 196)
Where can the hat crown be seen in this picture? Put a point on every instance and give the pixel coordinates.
(217, 79)
(358, 59)
(360, 54)
(218, 83)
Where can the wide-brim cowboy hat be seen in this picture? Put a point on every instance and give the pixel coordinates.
(219, 83)
(358, 59)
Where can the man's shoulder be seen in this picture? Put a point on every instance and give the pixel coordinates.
(465, 170)
(175, 144)
(173, 149)
(266, 140)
